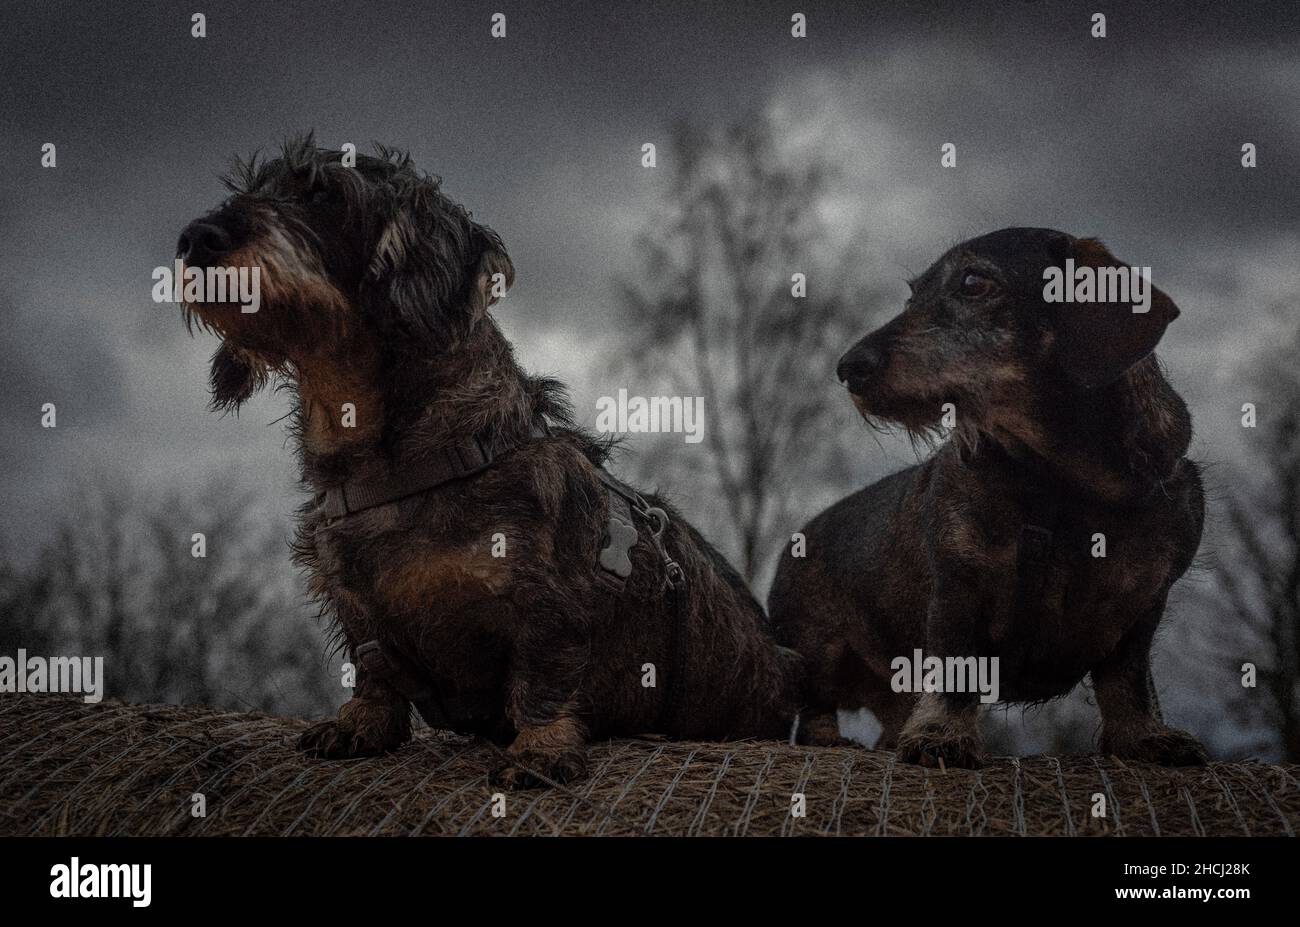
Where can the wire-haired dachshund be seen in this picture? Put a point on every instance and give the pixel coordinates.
(1046, 531)
(463, 533)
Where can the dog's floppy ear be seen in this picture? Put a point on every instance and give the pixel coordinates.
(410, 276)
(435, 271)
(494, 275)
(234, 377)
(1100, 340)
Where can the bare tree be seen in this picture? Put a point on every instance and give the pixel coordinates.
(119, 580)
(718, 305)
(1260, 577)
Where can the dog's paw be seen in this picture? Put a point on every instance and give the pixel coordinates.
(525, 768)
(821, 730)
(937, 745)
(1164, 746)
(359, 730)
(334, 740)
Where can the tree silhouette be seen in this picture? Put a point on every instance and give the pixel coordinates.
(1260, 577)
(715, 308)
(119, 581)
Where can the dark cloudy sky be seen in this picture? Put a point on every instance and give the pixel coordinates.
(1135, 137)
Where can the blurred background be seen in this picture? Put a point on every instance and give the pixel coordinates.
(775, 155)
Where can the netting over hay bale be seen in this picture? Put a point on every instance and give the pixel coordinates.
(71, 768)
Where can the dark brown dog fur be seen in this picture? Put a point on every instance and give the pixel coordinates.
(375, 292)
(1058, 398)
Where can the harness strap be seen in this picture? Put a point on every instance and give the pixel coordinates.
(465, 458)
(673, 717)
(448, 712)
(439, 709)
(623, 500)
(1034, 553)
(454, 712)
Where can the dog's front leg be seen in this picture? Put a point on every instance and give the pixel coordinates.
(1132, 727)
(375, 720)
(543, 705)
(943, 728)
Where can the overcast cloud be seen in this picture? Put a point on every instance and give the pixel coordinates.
(1135, 138)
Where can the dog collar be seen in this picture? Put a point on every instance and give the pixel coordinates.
(458, 461)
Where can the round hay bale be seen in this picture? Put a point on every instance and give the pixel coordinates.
(67, 767)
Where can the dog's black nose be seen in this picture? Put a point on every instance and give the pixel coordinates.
(202, 244)
(864, 360)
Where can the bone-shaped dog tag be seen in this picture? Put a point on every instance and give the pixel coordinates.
(622, 538)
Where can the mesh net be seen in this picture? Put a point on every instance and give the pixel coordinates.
(113, 769)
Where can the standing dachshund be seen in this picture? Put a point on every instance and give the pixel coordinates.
(1067, 437)
(464, 537)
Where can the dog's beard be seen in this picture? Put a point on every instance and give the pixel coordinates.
(295, 294)
(300, 311)
(235, 376)
(920, 418)
(280, 330)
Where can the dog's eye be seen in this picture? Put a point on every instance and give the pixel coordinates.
(975, 284)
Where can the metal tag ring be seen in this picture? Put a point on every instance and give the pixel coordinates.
(659, 518)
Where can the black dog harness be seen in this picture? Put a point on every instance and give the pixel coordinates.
(450, 463)
(477, 711)
(624, 503)
(1034, 552)
(1042, 496)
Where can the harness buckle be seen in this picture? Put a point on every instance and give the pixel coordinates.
(372, 660)
(658, 518)
(333, 503)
